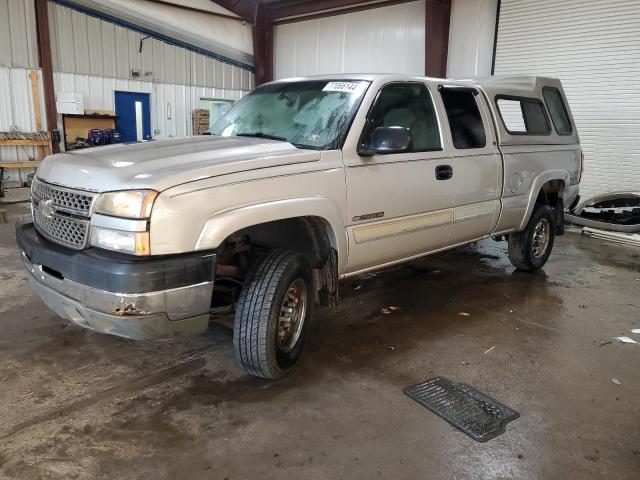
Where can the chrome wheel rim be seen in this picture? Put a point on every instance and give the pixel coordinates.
(292, 315)
(541, 237)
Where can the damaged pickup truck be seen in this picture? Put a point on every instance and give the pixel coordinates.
(302, 183)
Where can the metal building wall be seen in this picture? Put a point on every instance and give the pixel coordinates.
(471, 35)
(16, 110)
(18, 37)
(171, 104)
(87, 45)
(95, 57)
(18, 53)
(385, 39)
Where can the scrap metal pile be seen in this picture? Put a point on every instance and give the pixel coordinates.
(614, 217)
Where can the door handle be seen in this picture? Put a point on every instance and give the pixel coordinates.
(444, 172)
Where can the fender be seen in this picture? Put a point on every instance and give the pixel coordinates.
(537, 184)
(223, 224)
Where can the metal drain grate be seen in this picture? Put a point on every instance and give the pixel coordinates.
(476, 414)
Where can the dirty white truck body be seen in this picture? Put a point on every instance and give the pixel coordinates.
(372, 208)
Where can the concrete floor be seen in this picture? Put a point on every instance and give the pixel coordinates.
(74, 404)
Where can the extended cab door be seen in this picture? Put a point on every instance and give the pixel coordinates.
(399, 205)
(476, 163)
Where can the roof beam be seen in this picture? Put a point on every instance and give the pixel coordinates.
(196, 10)
(284, 11)
(246, 9)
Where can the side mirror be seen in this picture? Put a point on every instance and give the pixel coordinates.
(387, 140)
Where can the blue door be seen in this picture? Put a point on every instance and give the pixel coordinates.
(134, 116)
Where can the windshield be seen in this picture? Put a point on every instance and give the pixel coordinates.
(309, 114)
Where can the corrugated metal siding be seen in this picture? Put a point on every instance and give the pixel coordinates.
(95, 57)
(386, 39)
(471, 35)
(16, 110)
(87, 45)
(594, 48)
(18, 35)
(98, 93)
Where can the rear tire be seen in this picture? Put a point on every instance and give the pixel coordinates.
(529, 249)
(273, 314)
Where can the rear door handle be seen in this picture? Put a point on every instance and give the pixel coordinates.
(444, 172)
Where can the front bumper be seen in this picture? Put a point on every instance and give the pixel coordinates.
(141, 299)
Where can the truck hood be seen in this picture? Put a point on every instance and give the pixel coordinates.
(162, 164)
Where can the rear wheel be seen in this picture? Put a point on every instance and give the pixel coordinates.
(273, 314)
(529, 250)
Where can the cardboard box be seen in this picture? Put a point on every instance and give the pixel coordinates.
(200, 121)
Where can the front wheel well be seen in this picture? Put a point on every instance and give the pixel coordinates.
(243, 250)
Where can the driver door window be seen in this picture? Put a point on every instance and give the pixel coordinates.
(406, 105)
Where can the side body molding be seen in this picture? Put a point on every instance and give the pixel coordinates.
(540, 180)
(225, 223)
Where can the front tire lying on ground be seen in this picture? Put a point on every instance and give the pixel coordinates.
(529, 250)
(273, 314)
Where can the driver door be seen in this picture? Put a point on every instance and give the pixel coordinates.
(399, 205)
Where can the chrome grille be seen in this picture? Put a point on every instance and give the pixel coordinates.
(65, 199)
(67, 231)
(65, 216)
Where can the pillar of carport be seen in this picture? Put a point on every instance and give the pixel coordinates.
(44, 55)
(263, 45)
(437, 18)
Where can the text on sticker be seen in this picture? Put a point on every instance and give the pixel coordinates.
(349, 87)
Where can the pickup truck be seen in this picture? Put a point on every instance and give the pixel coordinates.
(303, 183)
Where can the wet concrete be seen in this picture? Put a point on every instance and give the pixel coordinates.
(75, 404)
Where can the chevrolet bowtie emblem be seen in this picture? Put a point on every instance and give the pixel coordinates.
(45, 207)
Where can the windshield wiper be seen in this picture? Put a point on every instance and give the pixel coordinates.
(261, 135)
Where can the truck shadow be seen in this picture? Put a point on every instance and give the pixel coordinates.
(388, 316)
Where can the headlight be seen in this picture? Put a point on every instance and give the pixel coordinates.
(136, 243)
(127, 203)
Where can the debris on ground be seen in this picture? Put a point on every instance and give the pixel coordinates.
(635, 330)
(605, 343)
(616, 381)
(626, 340)
(392, 348)
(389, 310)
(464, 314)
(620, 238)
(490, 349)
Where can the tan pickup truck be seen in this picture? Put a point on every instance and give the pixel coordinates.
(304, 182)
